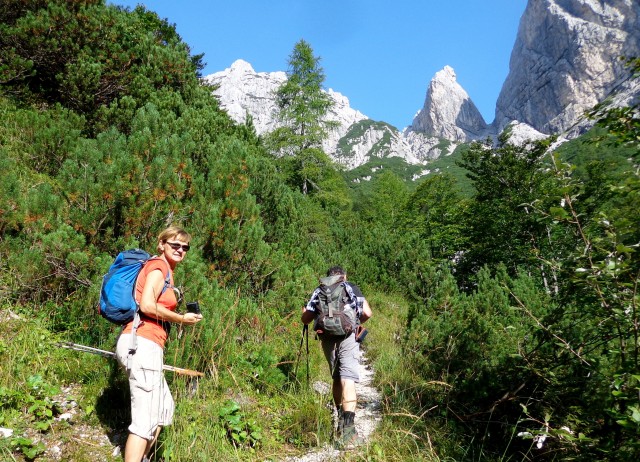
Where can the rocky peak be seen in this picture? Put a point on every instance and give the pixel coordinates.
(240, 66)
(355, 141)
(242, 91)
(448, 111)
(566, 60)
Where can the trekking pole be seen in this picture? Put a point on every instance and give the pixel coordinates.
(305, 328)
(307, 331)
(111, 354)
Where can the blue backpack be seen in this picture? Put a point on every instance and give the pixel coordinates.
(117, 295)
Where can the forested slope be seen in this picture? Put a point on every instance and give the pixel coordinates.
(505, 324)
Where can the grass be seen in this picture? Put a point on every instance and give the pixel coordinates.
(35, 392)
(242, 412)
(403, 433)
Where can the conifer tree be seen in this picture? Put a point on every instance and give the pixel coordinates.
(303, 105)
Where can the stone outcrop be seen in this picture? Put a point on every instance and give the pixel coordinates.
(518, 133)
(368, 139)
(448, 111)
(566, 60)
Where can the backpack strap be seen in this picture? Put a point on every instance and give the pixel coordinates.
(353, 298)
(136, 318)
(134, 339)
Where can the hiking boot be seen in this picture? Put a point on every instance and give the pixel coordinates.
(349, 438)
(340, 427)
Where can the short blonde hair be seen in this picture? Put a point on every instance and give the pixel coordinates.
(172, 232)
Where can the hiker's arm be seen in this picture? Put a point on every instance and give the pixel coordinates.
(149, 306)
(307, 315)
(366, 311)
(308, 311)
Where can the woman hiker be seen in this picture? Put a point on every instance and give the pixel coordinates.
(141, 345)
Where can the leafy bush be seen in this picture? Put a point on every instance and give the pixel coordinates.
(240, 430)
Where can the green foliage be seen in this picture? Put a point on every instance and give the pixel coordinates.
(435, 212)
(472, 348)
(359, 177)
(35, 403)
(505, 303)
(42, 139)
(626, 412)
(302, 105)
(27, 447)
(263, 371)
(384, 204)
(311, 171)
(449, 164)
(601, 278)
(596, 148)
(240, 430)
(551, 343)
(308, 426)
(500, 225)
(357, 130)
(88, 56)
(302, 102)
(40, 403)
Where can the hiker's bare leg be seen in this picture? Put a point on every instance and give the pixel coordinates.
(135, 448)
(151, 442)
(349, 398)
(347, 434)
(337, 393)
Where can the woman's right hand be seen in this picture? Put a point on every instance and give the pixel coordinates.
(191, 318)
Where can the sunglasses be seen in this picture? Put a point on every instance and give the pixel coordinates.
(176, 246)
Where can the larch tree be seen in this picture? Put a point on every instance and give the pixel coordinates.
(303, 106)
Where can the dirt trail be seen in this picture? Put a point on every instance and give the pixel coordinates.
(368, 416)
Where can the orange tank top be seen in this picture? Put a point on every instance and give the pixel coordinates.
(151, 328)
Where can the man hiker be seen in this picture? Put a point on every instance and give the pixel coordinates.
(337, 308)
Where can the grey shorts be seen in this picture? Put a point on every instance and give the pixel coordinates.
(343, 356)
(151, 402)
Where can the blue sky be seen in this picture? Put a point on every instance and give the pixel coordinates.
(381, 54)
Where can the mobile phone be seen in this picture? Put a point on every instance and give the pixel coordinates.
(193, 307)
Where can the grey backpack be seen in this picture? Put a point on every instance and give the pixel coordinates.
(334, 315)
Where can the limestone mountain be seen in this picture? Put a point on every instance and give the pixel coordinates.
(448, 111)
(244, 92)
(566, 59)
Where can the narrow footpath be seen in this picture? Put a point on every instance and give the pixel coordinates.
(368, 416)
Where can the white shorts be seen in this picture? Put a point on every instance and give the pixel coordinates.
(151, 402)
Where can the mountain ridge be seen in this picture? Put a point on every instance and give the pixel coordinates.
(564, 62)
